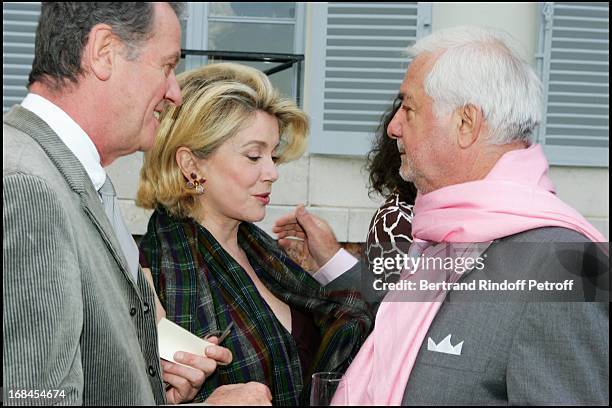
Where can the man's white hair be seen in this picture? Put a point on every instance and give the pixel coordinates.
(482, 67)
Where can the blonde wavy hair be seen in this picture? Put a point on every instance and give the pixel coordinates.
(218, 101)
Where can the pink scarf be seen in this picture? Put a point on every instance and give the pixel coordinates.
(515, 196)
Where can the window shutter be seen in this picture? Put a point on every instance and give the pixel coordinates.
(574, 44)
(19, 21)
(357, 64)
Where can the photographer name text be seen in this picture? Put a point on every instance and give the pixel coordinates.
(482, 285)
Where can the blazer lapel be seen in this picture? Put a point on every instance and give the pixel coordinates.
(92, 206)
(75, 175)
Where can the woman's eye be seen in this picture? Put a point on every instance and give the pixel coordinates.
(254, 158)
(275, 159)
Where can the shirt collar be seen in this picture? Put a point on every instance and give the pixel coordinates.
(73, 136)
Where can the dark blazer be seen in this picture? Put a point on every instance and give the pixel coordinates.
(74, 319)
(518, 351)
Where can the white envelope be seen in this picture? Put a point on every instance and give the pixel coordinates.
(172, 338)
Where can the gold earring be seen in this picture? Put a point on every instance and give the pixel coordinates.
(195, 183)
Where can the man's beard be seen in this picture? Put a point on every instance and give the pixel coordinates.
(407, 174)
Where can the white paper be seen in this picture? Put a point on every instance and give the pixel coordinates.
(172, 338)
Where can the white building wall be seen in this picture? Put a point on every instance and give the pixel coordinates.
(335, 187)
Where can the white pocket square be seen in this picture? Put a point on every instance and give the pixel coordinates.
(445, 346)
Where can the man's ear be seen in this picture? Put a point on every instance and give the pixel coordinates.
(469, 120)
(100, 51)
(187, 162)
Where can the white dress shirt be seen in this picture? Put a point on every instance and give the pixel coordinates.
(79, 143)
(73, 136)
(341, 262)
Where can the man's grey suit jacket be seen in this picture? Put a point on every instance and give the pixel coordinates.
(514, 352)
(74, 319)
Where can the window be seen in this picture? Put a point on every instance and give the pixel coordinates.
(357, 65)
(248, 27)
(227, 26)
(574, 67)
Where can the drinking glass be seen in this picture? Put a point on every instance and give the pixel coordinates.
(325, 385)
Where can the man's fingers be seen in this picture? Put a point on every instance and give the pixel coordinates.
(181, 388)
(181, 391)
(175, 380)
(282, 234)
(291, 245)
(268, 393)
(306, 220)
(199, 366)
(252, 393)
(297, 234)
(260, 388)
(220, 354)
(195, 376)
(285, 220)
(286, 244)
(231, 387)
(287, 227)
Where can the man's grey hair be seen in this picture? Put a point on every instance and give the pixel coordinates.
(63, 29)
(482, 67)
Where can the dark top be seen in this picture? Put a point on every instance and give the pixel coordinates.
(306, 336)
(203, 289)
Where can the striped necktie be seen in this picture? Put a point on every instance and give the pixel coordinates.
(126, 241)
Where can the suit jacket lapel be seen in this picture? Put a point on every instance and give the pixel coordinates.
(75, 175)
(92, 206)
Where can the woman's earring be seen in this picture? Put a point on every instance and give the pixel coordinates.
(196, 184)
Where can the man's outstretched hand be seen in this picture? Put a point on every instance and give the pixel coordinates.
(315, 237)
